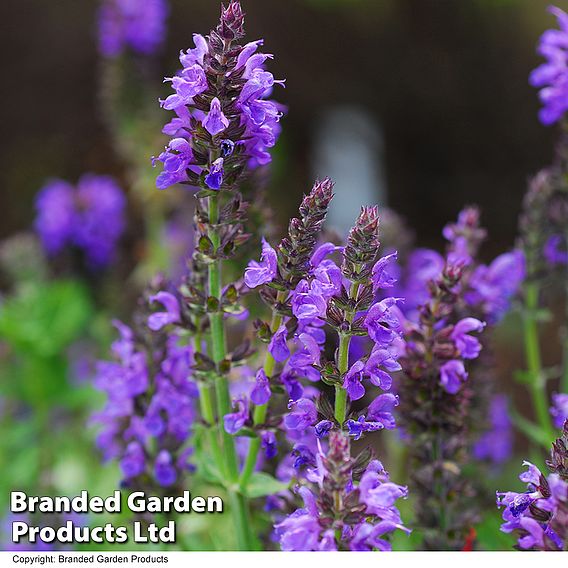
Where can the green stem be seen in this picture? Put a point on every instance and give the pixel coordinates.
(208, 413)
(239, 508)
(259, 413)
(534, 360)
(340, 411)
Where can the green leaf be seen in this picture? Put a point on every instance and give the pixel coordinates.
(262, 484)
(45, 319)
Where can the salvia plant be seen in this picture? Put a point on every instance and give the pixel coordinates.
(339, 393)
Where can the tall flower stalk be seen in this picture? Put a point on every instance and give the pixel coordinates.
(349, 502)
(278, 275)
(435, 399)
(224, 127)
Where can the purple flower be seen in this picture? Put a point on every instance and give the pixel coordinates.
(547, 494)
(136, 24)
(352, 381)
(555, 250)
(379, 360)
(164, 471)
(269, 443)
(261, 393)
(323, 427)
(380, 410)
(383, 321)
(176, 159)
(258, 273)
(146, 412)
(301, 530)
(190, 82)
(424, 265)
(496, 444)
(491, 287)
(552, 76)
(308, 301)
(322, 252)
(133, 463)
(452, 375)
(303, 414)
(159, 320)
(214, 178)
(235, 421)
(215, 121)
(382, 276)
(467, 346)
(278, 346)
(559, 409)
(89, 217)
(358, 427)
(308, 355)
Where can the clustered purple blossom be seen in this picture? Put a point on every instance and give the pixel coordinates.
(533, 514)
(361, 516)
(552, 76)
(148, 417)
(236, 118)
(89, 217)
(138, 25)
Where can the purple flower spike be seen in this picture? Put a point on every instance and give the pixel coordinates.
(467, 346)
(172, 314)
(258, 273)
(164, 470)
(235, 421)
(278, 346)
(215, 121)
(452, 375)
(261, 392)
(231, 78)
(303, 414)
(552, 76)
